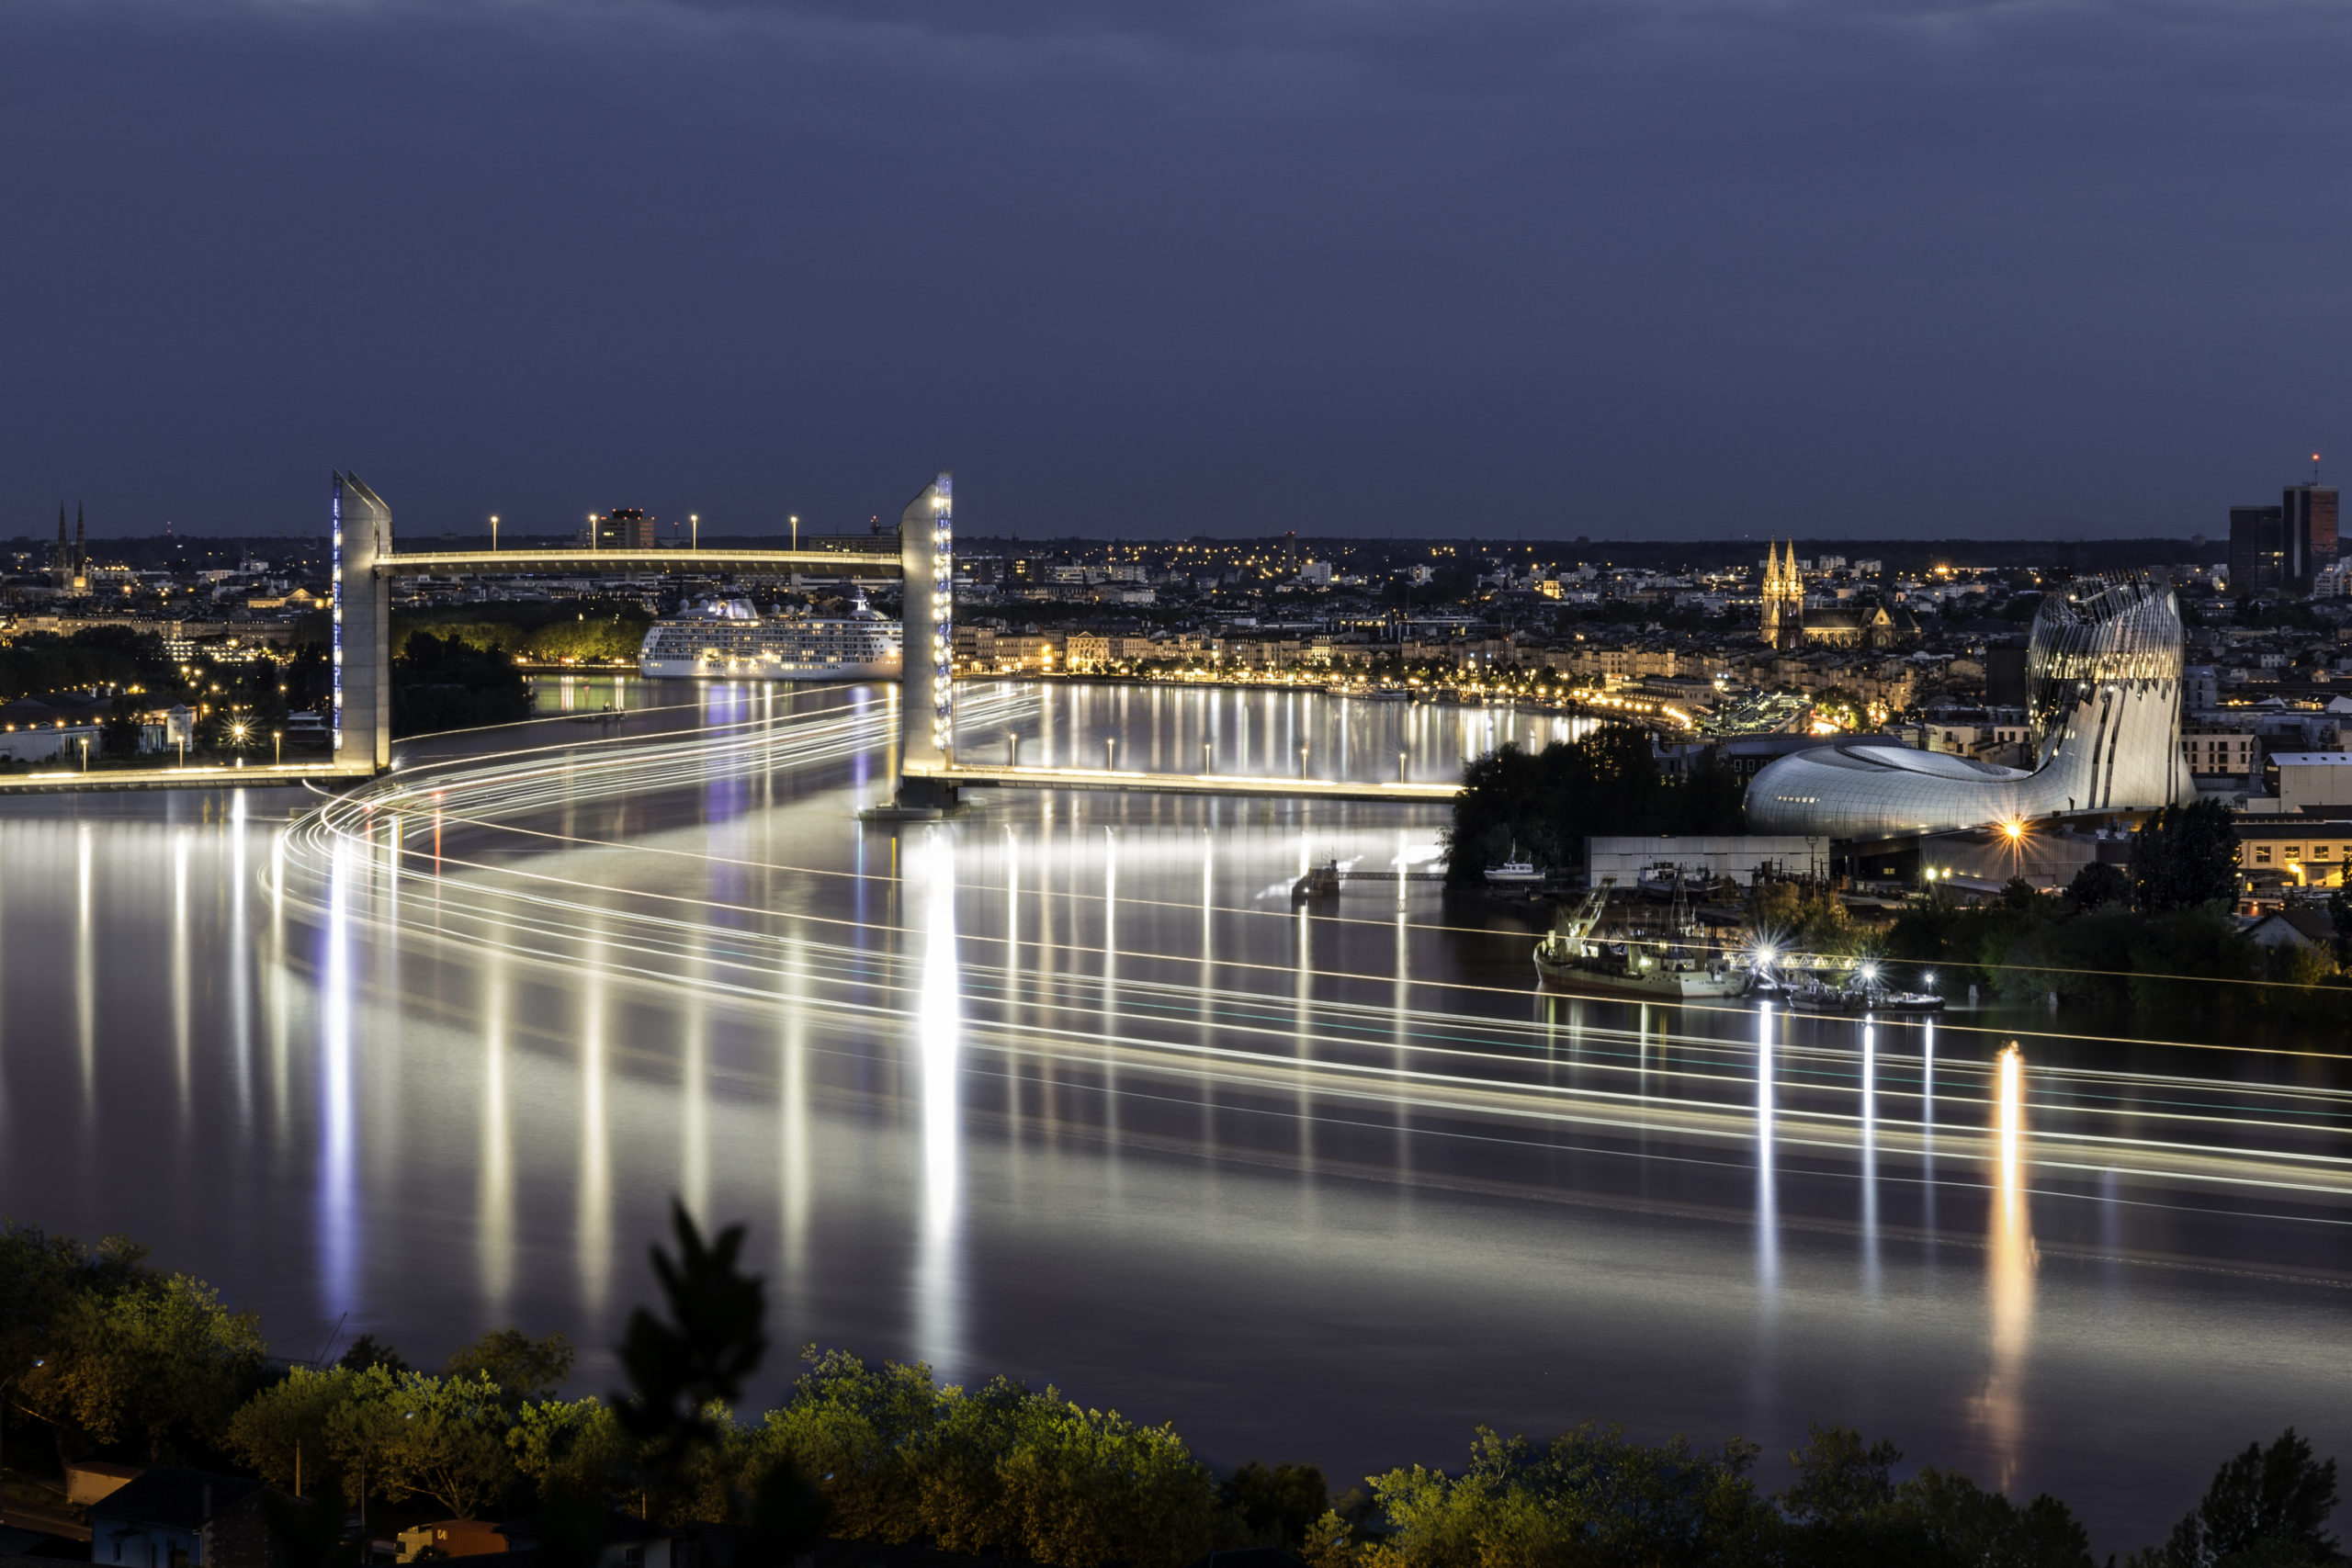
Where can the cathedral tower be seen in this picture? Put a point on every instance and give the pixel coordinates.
(1783, 600)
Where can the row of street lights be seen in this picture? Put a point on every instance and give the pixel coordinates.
(694, 523)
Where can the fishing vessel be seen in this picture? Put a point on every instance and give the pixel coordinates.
(724, 638)
(1672, 964)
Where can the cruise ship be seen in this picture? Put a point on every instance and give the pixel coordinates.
(725, 639)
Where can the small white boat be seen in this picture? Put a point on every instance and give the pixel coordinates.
(1514, 871)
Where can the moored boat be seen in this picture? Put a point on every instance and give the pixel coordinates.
(1672, 965)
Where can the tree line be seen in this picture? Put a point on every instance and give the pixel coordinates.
(111, 1357)
(587, 631)
(1544, 804)
(2155, 935)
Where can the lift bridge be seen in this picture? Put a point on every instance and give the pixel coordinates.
(930, 777)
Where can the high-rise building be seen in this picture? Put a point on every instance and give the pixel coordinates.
(1783, 599)
(2257, 548)
(622, 528)
(2307, 534)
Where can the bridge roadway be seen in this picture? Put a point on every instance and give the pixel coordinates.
(970, 776)
(816, 563)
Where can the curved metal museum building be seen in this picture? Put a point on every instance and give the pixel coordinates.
(2103, 676)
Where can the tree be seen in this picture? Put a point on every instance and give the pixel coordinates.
(450, 1444)
(283, 1431)
(363, 1426)
(1589, 1496)
(572, 1448)
(120, 734)
(1090, 1487)
(864, 1430)
(43, 1279)
(1279, 1506)
(2098, 884)
(686, 1369)
(369, 1351)
(522, 1368)
(159, 1364)
(2184, 856)
(1846, 1508)
(2265, 1505)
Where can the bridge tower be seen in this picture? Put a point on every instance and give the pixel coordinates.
(362, 608)
(927, 686)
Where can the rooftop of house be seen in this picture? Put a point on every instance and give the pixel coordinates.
(170, 1498)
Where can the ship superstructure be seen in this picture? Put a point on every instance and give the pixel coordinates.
(724, 638)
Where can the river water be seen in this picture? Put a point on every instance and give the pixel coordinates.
(1067, 1089)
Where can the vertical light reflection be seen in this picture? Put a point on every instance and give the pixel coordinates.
(1204, 1012)
(494, 1196)
(3, 1005)
(1400, 1010)
(1012, 983)
(86, 973)
(793, 1166)
(1302, 1014)
(183, 1024)
(937, 1311)
(280, 1000)
(1110, 931)
(1870, 1162)
(2010, 1269)
(241, 970)
(1928, 1137)
(338, 1201)
(1767, 1219)
(693, 1088)
(593, 1222)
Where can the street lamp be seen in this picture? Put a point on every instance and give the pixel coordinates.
(278, 740)
(493, 531)
(694, 526)
(796, 532)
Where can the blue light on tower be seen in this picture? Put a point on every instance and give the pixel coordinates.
(336, 610)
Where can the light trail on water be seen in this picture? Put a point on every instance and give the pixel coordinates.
(1143, 1023)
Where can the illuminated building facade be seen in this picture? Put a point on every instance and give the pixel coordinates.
(2103, 688)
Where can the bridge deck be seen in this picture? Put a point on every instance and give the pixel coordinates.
(818, 563)
(985, 776)
(195, 776)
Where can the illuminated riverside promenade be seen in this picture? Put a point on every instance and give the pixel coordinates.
(1067, 1088)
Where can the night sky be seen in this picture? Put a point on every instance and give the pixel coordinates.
(1669, 269)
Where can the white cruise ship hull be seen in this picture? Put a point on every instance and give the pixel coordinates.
(768, 668)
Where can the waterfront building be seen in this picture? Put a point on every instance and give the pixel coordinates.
(2103, 672)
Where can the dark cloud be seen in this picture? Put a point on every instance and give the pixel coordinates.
(1678, 270)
